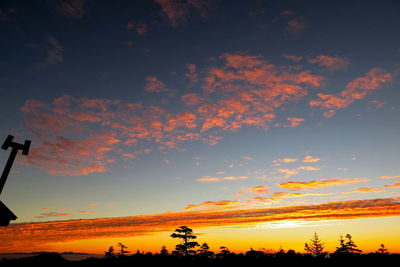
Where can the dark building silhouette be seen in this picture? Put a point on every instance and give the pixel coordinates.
(6, 215)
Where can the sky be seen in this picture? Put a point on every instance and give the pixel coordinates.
(255, 123)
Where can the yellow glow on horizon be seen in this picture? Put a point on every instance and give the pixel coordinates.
(269, 237)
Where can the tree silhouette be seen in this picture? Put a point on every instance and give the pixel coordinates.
(382, 250)
(224, 251)
(352, 247)
(315, 247)
(347, 247)
(110, 253)
(164, 250)
(186, 234)
(122, 250)
(204, 251)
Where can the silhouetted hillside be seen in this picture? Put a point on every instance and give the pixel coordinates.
(251, 258)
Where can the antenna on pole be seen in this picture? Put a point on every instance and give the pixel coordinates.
(5, 214)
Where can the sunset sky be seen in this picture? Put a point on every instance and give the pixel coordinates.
(256, 123)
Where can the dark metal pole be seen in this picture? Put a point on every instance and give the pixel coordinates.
(7, 168)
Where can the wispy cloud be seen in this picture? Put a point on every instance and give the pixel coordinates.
(261, 190)
(281, 195)
(310, 159)
(308, 168)
(285, 160)
(293, 122)
(38, 235)
(209, 179)
(53, 214)
(288, 172)
(219, 179)
(320, 183)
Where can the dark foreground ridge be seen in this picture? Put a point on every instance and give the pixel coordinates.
(250, 258)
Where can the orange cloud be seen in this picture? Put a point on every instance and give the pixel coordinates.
(294, 122)
(30, 236)
(310, 159)
(281, 195)
(389, 177)
(218, 179)
(393, 185)
(53, 214)
(208, 179)
(320, 183)
(191, 99)
(212, 204)
(364, 190)
(308, 168)
(255, 190)
(285, 160)
(331, 63)
(355, 90)
(235, 178)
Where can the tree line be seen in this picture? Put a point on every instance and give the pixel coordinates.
(189, 247)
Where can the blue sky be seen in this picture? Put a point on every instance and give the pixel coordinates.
(146, 107)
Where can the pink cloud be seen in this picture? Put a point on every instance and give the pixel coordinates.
(293, 58)
(378, 103)
(154, 85)
(192, 73)
(140, 27)
(192, 99)
(330, 63)
(72, 8)
(295, 26)
(179, 11)
(293, 122)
